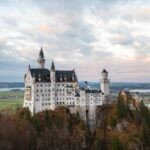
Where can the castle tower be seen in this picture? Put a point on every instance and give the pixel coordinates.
(105, 82)
(41, 59)
(52, 78)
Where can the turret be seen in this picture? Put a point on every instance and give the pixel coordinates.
(52, 78)
(52, 71)
(52, 66)
(41, 59)
(105, 82)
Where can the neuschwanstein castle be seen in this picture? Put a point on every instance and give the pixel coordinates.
(50, 88)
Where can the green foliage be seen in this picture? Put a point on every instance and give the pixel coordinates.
(62, 130)
(145, 136)
(11, 100)
(48, 118)
(145, 112)
(116, 144)
(23, 113)
(36, 124)
(100, 145)
(10, 104)
(113, 121)
(58, 122)
(121, 108)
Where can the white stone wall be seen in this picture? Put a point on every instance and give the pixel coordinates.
(105, 86)
(52, 94)
(29, 102)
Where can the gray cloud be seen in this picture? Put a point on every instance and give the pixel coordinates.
(85, 34)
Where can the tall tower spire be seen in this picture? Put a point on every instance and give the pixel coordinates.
(41, 59)
(53, 85)
(52, 66)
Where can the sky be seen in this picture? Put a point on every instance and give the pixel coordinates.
(87, 35)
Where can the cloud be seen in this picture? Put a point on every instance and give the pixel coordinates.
(82, 34)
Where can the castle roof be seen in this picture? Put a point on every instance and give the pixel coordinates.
(104, 71)
(52, 66)
(41, 54)
(92, 91)
(43, 75)
(66, 75)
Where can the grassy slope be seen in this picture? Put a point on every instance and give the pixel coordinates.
(11, 99)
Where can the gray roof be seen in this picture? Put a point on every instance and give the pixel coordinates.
(104, 71)
(77, 94)
(41, 54)
(43, 74)
(65, 75)
(52, 66)
(61, 75)
(92, 91)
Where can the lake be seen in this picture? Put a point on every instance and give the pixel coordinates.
(140, 90)
(9, 89)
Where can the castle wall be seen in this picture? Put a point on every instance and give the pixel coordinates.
(46, 90)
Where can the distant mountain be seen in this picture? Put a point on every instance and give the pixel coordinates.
(11, 85)
(113, 86)
(119, 86)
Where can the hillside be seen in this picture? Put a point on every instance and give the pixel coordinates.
(118, 128)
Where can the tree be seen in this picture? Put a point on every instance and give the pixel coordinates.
(116, 144)
(121, 108)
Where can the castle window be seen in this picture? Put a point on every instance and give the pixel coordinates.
(41, 85)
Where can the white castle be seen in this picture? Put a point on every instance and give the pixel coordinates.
(50, 88)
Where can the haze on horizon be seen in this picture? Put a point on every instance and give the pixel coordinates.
(87, 35)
